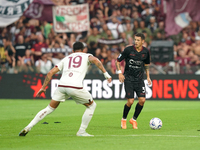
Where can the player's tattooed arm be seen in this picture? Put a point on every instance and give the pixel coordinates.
(146, 67)
(49, 76)
(97, 62)
(46, 80)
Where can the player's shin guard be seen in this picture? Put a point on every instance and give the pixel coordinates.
(40, 115)
(87, 116)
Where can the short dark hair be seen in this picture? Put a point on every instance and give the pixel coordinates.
(140, 35)
(78, 46)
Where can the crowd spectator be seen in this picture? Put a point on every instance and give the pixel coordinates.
(105, 56)
(21, 43)
(161, 29)
(129, 32)
(92, 48)
(135, 16)
(183, 61)
(47, 28)
(104, 30)
(27, 62)
(3, 53)
(115, 28)
(196, 46)
(146, 15)
(43, 65)
(144, 28)
(10, 53)
(37, 48)
(20, 47)
(113, 66)
(136, 26)
(93, 37)
(152, 24)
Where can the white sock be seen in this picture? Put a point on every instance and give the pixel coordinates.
(133, 119)
(40, 115)
(87, 116)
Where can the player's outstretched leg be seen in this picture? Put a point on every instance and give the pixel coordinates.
(87, 116)
(40, 115)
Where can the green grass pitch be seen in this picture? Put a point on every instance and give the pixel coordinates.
(180, 131)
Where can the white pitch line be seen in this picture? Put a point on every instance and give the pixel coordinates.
(135, 135)
(155, 135)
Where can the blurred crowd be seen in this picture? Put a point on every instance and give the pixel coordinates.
(22, 44)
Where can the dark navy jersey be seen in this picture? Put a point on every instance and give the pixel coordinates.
(134, 69)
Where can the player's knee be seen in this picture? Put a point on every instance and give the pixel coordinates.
(142, 101)
(130, 102)
(93, 105)
(49, 109)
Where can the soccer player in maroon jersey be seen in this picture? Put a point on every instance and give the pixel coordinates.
(74, 68)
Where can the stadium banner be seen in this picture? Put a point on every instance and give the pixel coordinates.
(41, 10)
(179, 15)
(165, 87)
(12, 10)
(73, 18)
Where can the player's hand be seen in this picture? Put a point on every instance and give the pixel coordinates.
(149, 82)
(109, 80)
(40, 92)
(121, 77)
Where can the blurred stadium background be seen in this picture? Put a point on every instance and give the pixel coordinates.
(36, 34)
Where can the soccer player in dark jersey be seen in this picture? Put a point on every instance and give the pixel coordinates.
(137, 60)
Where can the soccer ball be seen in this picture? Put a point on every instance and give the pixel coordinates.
(155, 123)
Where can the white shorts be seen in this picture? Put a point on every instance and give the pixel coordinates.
(81, 96)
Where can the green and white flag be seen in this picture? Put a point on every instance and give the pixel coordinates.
(71, 18)
(12, 10)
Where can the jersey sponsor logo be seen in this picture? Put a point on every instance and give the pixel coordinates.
(130, 66)
(131, 61)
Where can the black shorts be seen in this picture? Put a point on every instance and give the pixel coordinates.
(134, 87)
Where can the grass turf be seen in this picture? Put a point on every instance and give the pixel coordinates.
(180, 131)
